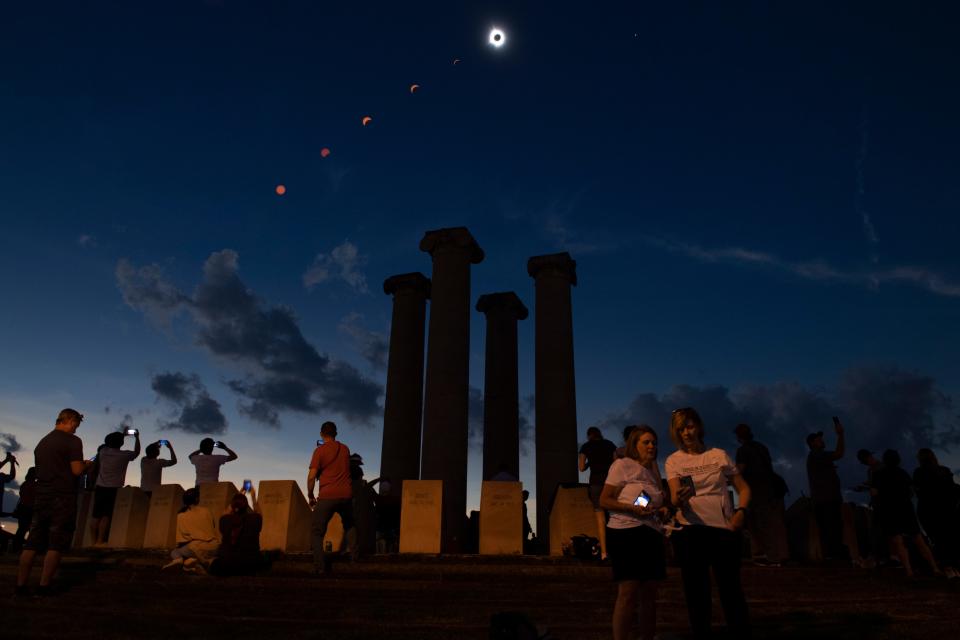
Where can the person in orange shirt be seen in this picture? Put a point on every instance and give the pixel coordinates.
(330, 468)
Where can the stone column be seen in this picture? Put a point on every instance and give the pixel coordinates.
(501, 389)
(556, 401)
(403, 403)
(444, 451)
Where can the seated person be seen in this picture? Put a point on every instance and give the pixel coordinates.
(239, 552)
(196, 534)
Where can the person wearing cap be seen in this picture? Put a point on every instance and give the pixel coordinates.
(825, 491)
(765, 519)
(330, 469)
(59, 462)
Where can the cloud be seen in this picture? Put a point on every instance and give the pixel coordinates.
(817, 269)
(342, 263)
(194, 411)
(869, 230)
(373, 346)
(9, 442)
(882, 407)
(87, 241)
(281, 370)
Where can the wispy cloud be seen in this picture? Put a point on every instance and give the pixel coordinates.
(555, 222)
(871, 278)
(869, 230)
(342, 263)
(373, 346)
(87, 241)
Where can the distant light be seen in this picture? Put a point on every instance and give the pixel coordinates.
(497, 38)
(280, 189)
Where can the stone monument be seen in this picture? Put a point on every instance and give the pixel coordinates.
(555, 388)
(571, 515)
(129, 520)
(286, 516)
(501, 518)
(421, 516)
(161, 530)
(445, 428)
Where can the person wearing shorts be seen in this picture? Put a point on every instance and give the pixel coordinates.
(58, 459)
(596, 454)
(112, 461)
(633, 494)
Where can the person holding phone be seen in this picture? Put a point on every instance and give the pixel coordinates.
(633, 494)
(825, 492)
(152, 465)
(710, 527)
(112, 461)
(330, 468)
(59, 462)
(207, 464)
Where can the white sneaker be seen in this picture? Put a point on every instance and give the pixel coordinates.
(176, 562)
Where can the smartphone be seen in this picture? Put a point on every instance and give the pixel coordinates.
(319, 442)
(247, 485)
(642, 500)
(164, 443)
(218, 444)
(130, 431)
(687, 481)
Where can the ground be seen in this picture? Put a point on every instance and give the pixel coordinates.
(119, 595)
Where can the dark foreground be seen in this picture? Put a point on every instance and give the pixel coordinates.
(122, 596)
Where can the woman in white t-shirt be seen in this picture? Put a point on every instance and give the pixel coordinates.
(709, 534)
(633, 494)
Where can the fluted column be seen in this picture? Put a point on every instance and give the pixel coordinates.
(403, 403)
(555, 388)
(445, 429)
(501, 389)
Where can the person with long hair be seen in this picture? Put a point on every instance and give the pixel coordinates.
(893, 503)
(196, 535)
(239, 552)
(938, 506)
(710, 527)
(633, 494)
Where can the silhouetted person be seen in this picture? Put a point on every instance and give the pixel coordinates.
(364, 507)
(112, 463)
(878, 544)
(152, 466)
(627, 430)
(23, 512)
(527, 529)
(388, 516)
(825, 491)
(196, 534)
(207, 464)
(895, 514)
(633, 494)
(709, 536)
(239, 552)
(59, 461)
(765, 519)
(596, 454)
(330, 468)
(7, 477)
(938, 506)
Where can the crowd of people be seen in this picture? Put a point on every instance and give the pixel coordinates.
(638, 509)
(692, 502)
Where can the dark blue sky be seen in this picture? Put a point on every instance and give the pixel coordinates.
(760, 198)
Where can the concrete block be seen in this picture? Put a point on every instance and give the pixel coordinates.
(286, 516)
(161, 529)
(501, 518)
(129, 520)
(572, 515)
(420, 516)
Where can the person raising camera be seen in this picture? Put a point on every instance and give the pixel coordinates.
(206, 463)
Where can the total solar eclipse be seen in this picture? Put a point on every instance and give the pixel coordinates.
(497, 37)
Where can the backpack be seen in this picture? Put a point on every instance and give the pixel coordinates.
(585, 547)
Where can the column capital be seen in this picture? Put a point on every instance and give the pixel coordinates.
(553, 265)
(416, 282)
(452, 238)
(506, 300)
